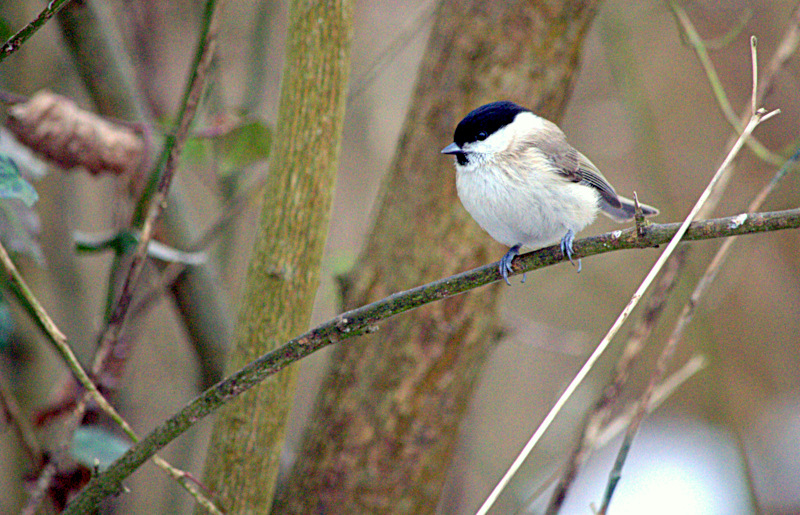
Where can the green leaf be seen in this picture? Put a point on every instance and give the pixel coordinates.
(94, 446)
(12, 185)
(121, 242)
(244, 145)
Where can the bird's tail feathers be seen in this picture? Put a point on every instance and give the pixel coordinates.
(626, 211)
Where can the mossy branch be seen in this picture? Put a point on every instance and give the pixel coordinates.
(364, 319)
(16, 41)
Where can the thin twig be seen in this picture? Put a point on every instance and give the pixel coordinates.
(40, 487)
(121, 308)
(603, 408)
(230, 211)
(662, 392)
(613, 428)
(786, 48)
(754, 72)
(669, 348)
(737, 122)
(14, 42)
(59, 341)
(685, 317)
(606, 341)
(185, 479)
(363, 320)
(173, 149)
(29, 301)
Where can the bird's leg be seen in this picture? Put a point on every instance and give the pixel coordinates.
(566, 247)
(505, 262)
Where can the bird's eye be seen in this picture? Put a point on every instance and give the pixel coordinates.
(482, 135)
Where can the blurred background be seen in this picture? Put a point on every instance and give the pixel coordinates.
(642, 111)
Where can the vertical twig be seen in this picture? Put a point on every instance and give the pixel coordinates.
(172, 151)
(120, 312)
(737, 122)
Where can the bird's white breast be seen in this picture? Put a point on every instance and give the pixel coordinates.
(517, 205)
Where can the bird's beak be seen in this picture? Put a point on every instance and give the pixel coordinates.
(452, 148)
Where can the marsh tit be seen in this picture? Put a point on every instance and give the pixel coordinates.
(525, 185)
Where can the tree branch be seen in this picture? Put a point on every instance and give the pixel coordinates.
(363, 319)
(16, 41)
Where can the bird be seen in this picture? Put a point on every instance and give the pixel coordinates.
(525, 185)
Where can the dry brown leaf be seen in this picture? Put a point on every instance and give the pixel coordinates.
(55, 127)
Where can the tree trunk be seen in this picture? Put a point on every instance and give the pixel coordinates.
(385, 424)
(283, 275)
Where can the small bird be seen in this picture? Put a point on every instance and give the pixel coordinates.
(525, 185)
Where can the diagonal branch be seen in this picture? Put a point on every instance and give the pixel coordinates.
(172, 151)
(786, 48)
(16, 41)
(363, 320)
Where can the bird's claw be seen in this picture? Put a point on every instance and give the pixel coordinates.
(566, 248)
(505, 263)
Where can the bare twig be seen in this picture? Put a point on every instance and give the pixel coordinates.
(230, 211)
(189, 484)
(120, 312)
(40, 487)
(757, 117)
(786, 48)
(737, 122)
(661, 393)
(29, 301)
(173, 148)
(16, 41)
(685, 317)
(610, 430)
(596, 422)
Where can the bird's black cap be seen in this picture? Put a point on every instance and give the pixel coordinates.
(485, 120)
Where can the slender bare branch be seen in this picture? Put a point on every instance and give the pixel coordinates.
(157, 204)
(606, 341)
(16, 41)
(601, 413)
(785, 49)
(758, 116)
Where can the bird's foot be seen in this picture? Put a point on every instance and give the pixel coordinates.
(566, 247)
(505, 263)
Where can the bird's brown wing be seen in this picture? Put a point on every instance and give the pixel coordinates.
(577, 168)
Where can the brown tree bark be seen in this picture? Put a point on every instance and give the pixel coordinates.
(385, 424)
